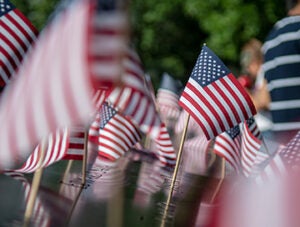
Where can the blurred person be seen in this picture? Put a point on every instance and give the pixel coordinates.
(280, 90)
(251, 60)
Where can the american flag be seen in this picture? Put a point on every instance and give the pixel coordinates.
(253, 128)
(228, 146)
(134, 99)
(77, 143)
(165, 151)
(167, 98)
(196, 154)
(214, 97)
(17, 35)
(285, 160)
(47, 96)
(117, 134)
(55, 148)
(250, 146)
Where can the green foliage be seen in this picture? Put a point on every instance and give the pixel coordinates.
(169, 34)
(37, 11)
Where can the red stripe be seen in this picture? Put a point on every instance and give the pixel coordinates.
(235, 96)
(12, 47)
(27, 22)
(195, 118)
(219, 104)
(19, 27)
(12, 33)
(208, 105)
(123, 132)
(244, 93)
(228, 102)
(202, 112)
(108, 147)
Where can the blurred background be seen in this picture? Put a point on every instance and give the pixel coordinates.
(169, 34)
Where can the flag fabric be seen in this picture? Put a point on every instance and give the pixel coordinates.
(285, 160)
(76, 146)
(253, 128)
(149, 85)
(228, 146)
(117, 134)
(54, 147)
(134, 100)
(214, 97)
(250, 146)
(94, 129)
(196, 154)
(167, 98)
(17, 35)
(165, 151)
(55, 87)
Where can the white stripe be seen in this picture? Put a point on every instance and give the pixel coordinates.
(199, 116)
(289, 59)
(74, 151)
(133, 104)
(113, 137)
(211, 101)
(16, 31)
(4, 76)
(240, 97)
(10, 52)
(23, 25)
(282, 105)
(286, 82)
(231, 100)
(142, 107)
(124, 97)
(14, 42)
(232, 161)
(204, 107)
(108, 151)
(132, 130)
(7, 63)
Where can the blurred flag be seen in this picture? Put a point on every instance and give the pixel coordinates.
(17, 35)
(40, 214)
(196, 157)
(228, 146)
(76, 145)
(134, 100)
(167, 97)
(165, 150)
(55, 87)
(149, 85)
(55, 148)
(285, 160)
(117, 134)
(253, 128)
(214, 97)
(250, 146)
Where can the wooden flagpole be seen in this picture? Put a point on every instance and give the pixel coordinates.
(84, 161)
(163, 223)
(34, 186)
(220, 181)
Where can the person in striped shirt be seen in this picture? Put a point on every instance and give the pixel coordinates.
(281, 70)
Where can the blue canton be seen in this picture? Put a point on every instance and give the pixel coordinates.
(5, 7)
(234, 132)
(208, 68)
(106, 113)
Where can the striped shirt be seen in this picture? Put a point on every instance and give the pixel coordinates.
(282, 72)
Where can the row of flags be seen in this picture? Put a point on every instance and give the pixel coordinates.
(81, 71)
(70, 71)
